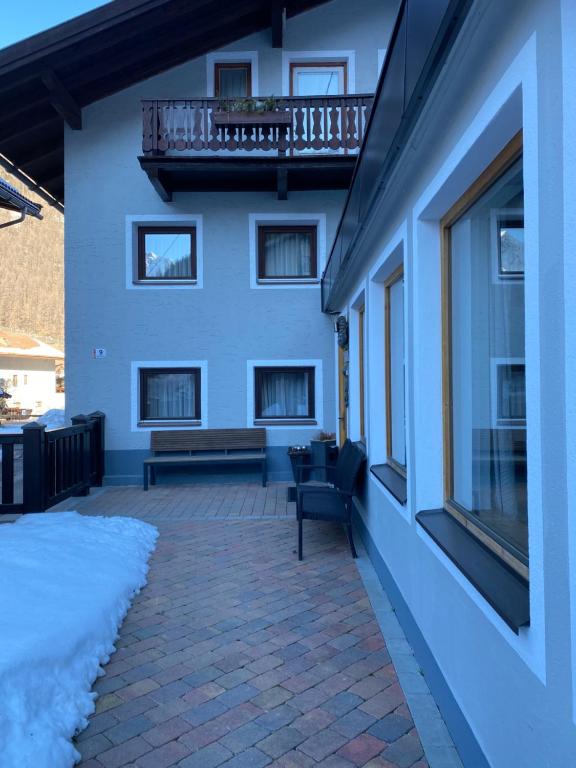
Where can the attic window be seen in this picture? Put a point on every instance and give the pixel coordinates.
(167, 254)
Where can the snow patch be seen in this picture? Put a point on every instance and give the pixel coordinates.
(67, 583)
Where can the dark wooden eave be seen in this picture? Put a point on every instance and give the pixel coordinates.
(281, 175)
(47, 79)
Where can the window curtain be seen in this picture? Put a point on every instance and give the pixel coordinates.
(233, 82)
(171, 396)
(284, 394)
(287, 254)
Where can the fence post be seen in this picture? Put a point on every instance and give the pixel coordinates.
(82, 421)
(99, 449)
(34, 463)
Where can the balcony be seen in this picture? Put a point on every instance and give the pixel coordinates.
(281, 145)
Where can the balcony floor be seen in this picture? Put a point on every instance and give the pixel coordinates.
(248, 173)
(237, 655)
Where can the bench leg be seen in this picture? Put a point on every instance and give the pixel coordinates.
(264, 473)
(145, 477)
(300, 538)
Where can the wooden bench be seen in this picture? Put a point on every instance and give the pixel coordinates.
(204, 447)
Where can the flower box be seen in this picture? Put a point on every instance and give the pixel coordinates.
(252, 118)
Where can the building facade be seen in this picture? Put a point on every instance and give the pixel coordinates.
(456, 283)
(237, 335)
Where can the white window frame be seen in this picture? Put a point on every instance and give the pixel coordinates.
(232, 57)
(293, 57)
(278, 219)
(133, 221)
(137, 365)
(314, 424)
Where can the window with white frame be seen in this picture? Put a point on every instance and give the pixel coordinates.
(485, 386)
(284, 393)
(287, 252)
(169, 394)
(395, 371)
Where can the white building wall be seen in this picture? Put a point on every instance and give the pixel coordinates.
(516, 692)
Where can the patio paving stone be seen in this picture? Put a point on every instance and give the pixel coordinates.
(235, 654)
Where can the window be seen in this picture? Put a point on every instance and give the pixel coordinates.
(166, 254)
(15, 380)
(25, 379)
(361, 313)
(484, 371)
(284, 393)
(287, 253)
(170, 394)
(233, 80)
(318, 78)
(394, 366)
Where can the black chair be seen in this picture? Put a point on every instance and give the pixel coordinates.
(331, 501)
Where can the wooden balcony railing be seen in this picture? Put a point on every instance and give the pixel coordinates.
(301, 124)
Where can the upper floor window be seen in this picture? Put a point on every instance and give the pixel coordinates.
(167, 253)
(485, 387)
(170, 394)
(287, 252)
(395, 371)
(318, 78)
(284, 393)
(233, 80)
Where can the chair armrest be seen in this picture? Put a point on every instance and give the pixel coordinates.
(324, 490)
(308, 467)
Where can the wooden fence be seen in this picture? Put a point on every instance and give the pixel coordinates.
(51, 464)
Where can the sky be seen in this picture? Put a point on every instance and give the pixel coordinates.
(20, 20)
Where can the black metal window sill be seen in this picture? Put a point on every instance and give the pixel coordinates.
(285, 422)
(152, 282)
(392, 480)
(504, 589)
(288, 281)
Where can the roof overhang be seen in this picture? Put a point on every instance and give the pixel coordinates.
(47, 79)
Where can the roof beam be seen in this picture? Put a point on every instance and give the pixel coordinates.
(157, 179)
(278, 12)
(62, 100)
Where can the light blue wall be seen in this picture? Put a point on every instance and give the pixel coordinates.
(226, 322)
(515, 692)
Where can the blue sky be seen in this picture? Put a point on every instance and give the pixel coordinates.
(20, 20)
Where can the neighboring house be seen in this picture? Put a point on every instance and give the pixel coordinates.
(28, 373)
(194, 255)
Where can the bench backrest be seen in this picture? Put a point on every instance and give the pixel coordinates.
(208, 439)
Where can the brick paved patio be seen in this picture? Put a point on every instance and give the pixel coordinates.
(237, 655)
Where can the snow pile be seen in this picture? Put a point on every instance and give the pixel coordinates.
(67, 583)
(53, 419)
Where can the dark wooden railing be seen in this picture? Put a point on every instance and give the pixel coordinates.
(48, 466)
(297, 124)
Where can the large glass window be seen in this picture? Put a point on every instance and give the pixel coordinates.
(170, 394)
(486, 387)
(361, 385)
(166, 253)
(287, 253)
(395, 376)
(284, 393)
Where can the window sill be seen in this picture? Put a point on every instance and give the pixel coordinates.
(392, 480)
(285, 422)
(168, 424)
(506, 591)
(165, 282)
(287, 281)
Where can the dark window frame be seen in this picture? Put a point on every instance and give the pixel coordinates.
(168, 230)
(220, 65)
(144, 373)
(260, 371)
(396, 276)
(264, 229)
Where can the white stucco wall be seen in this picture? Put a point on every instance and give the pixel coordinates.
(515, 691)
